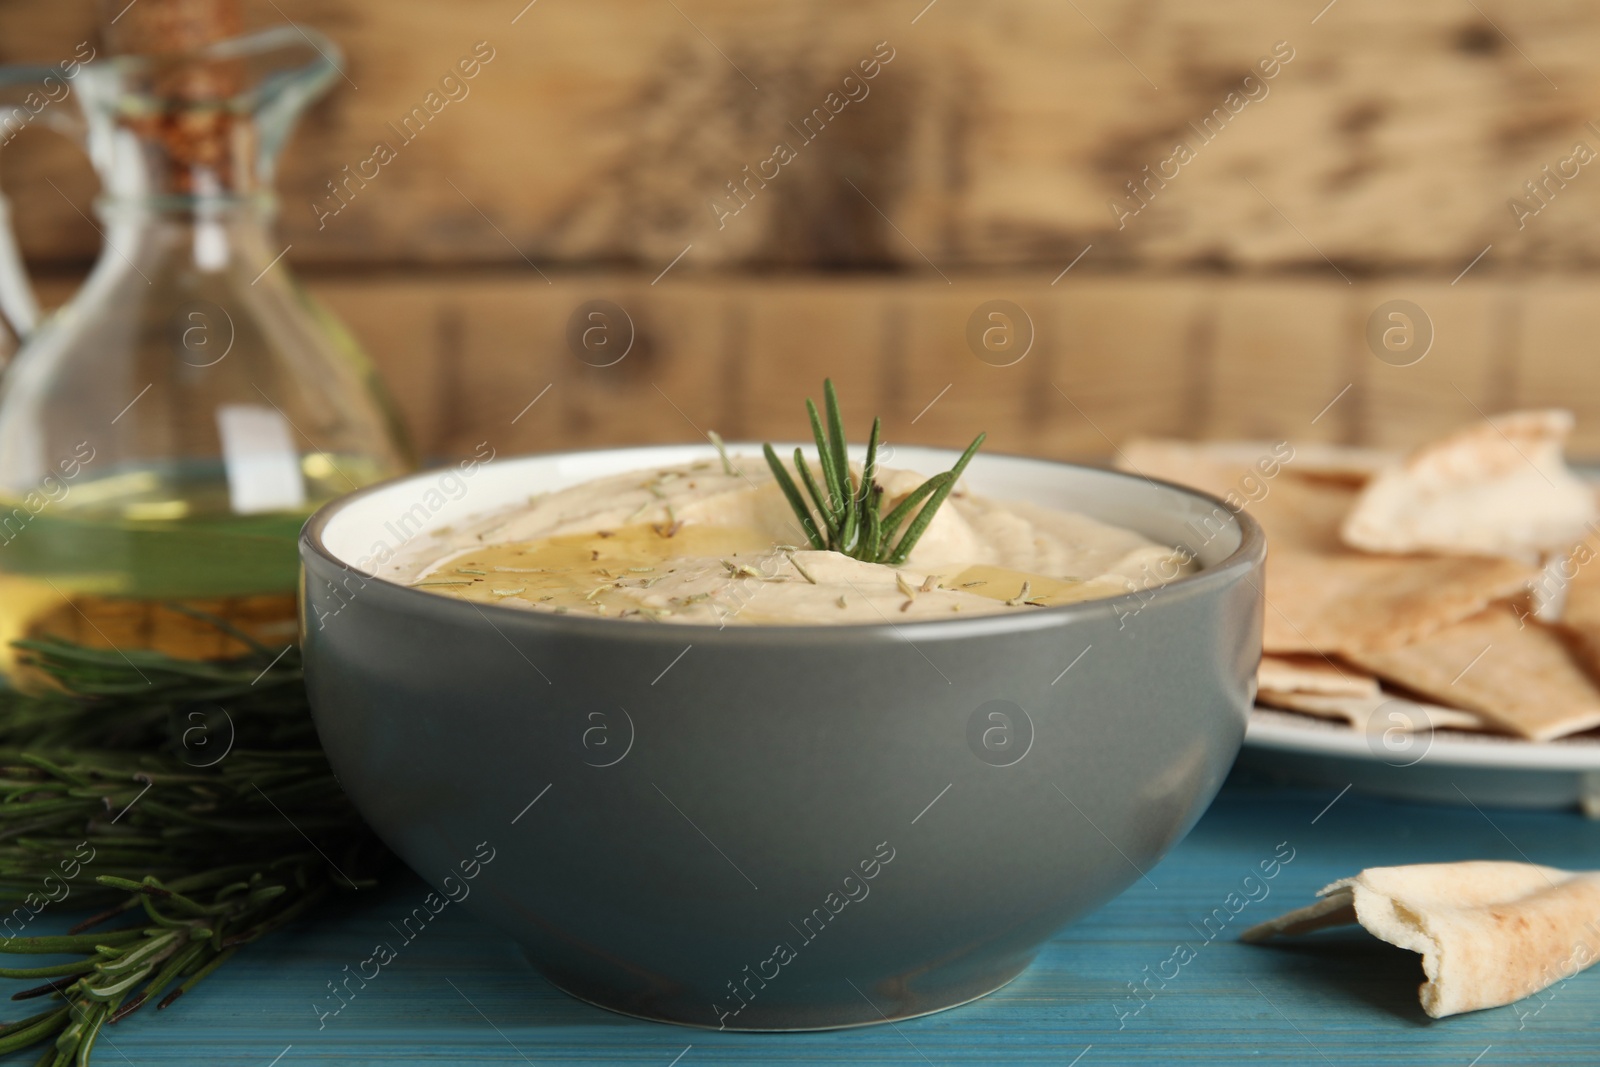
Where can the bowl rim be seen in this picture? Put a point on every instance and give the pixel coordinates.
(1250, 553)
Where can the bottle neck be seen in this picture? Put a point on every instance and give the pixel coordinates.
(148, 141)
(205, 233)
(167, 159)
(258, 208)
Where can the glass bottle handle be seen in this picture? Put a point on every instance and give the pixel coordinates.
(20, 88)
(18, 306)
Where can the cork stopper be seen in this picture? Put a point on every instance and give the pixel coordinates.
(195, 139)
(168, 27)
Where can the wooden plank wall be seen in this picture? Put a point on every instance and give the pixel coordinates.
(1112, 357)
(1380, 161)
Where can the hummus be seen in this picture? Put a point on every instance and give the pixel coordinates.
(695, 543)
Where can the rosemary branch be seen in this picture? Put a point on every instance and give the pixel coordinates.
(849, 511)
(109, 798)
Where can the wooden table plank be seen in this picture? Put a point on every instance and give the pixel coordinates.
(461, 994)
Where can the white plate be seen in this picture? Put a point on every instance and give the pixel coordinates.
(1446, 766)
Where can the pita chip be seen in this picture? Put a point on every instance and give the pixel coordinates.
(1348, 602)
(1339, 463)
(1186, 462)
(1304, 516)
(1292, 511)
(1489, 933)
(1514, 672)
(1500, 487)
(1322, 596)
(1170, 459)
(1314, 674)
(1380, 713)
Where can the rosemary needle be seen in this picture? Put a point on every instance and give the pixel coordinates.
(803, 572)
(843, 513)
(125, 784)
(722, 453)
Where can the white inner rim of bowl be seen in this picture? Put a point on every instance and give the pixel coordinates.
(393, 515)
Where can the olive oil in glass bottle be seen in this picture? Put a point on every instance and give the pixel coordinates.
(165, 433)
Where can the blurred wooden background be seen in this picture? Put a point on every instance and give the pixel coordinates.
(1377, 164)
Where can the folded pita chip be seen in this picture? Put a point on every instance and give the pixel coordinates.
(1314, 674)
(1514, 672)
(1500, 487)
(1379, 713)
(1340, 603)
(1489, 933)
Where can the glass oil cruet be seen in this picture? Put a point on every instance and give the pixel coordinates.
(165, 433)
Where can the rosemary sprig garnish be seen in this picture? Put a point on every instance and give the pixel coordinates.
(849, 511)
(109, 800)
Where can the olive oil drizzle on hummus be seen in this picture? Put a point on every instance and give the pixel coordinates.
(701, 544)
(620, 573)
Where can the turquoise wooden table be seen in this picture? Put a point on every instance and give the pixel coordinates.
(1112, 989)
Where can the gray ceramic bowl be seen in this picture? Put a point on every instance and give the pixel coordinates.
(780, 828)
